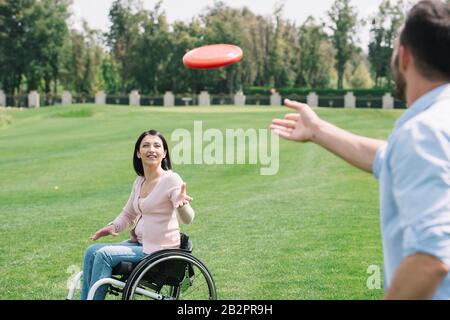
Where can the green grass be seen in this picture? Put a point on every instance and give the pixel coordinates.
(309, 232)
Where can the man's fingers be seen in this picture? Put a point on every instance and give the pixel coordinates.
(292, 116)
(284, 123)
(294, 104)
(281, 128)
(282, 133)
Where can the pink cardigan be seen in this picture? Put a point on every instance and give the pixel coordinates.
(159, 222)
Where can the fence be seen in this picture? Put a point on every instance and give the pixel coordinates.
(36, 100)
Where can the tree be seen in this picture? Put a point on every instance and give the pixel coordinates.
(152, 51)
(83, 61)
(54, 31)
(176, 77)
(223, 24)
(123, 37)
(14, 25)
(343, 26)
(357, 71)
(384, 29)
(32, 34)
(110, 74)
(316, 56)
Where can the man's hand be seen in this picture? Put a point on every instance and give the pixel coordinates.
(182, 199)
(417, 277)
(307, 126)
(105, 231)
(296, 126)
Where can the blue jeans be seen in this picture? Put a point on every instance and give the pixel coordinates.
(101, 258)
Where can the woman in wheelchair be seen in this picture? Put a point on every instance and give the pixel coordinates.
(158, 201)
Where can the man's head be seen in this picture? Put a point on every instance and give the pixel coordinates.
(423, 44)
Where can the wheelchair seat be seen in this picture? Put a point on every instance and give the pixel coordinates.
(124, 268)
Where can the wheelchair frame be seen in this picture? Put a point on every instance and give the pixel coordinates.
(108, 281)
(138, 273)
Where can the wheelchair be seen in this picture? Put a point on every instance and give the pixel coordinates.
(170, 274)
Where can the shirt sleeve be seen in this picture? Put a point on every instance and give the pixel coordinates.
(174, 183)
(378, 160)
(420, 168)
(186, 213)
(128, 215)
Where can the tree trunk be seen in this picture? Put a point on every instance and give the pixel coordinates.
(340, 83)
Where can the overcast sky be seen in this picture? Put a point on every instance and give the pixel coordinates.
(95, 12)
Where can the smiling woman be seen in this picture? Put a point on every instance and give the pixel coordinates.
(158, 202)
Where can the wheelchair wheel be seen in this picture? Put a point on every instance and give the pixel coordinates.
(170, 275)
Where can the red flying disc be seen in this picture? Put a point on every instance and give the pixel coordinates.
(212, 56)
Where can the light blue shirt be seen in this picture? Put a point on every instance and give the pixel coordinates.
(414, 178)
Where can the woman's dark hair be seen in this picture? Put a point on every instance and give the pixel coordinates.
(137, 163)
(427, 34)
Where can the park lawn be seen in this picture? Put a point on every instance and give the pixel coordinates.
(309, 232)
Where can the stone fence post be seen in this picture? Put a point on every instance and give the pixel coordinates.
(275, 99)
(33, 100)
(388, 101)
(169, 99)
(2, 99)
(239, 98)
(135, 98)
(350, 100)
(312, 99)
(100, 98)
(204, 99)
(66, 98)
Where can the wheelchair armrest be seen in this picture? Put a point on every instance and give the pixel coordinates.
(185, 242)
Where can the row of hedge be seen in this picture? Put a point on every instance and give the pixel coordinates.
(376, 92)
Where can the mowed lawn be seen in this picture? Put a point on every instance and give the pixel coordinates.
(309, 232)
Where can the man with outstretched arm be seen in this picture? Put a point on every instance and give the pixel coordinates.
(413, 166)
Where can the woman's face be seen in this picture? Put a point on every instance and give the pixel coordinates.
(151, 151)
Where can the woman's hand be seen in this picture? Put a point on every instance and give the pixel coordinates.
(105, 231)
(182, 199)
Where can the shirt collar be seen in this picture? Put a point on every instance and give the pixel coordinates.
(424, 102)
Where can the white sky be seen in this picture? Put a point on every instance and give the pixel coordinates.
(95, 12)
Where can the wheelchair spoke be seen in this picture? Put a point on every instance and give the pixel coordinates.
(172, 276)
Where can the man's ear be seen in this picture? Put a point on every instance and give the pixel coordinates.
(405, 58)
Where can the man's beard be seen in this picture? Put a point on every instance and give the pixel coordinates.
(399, 79)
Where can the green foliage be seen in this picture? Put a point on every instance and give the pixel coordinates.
(110, 75)
(357, 72)
(32, 34)
(142, 51)
(14, 43)
(83, 63)
(316, 56)
(343, 25)
(383, 31)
